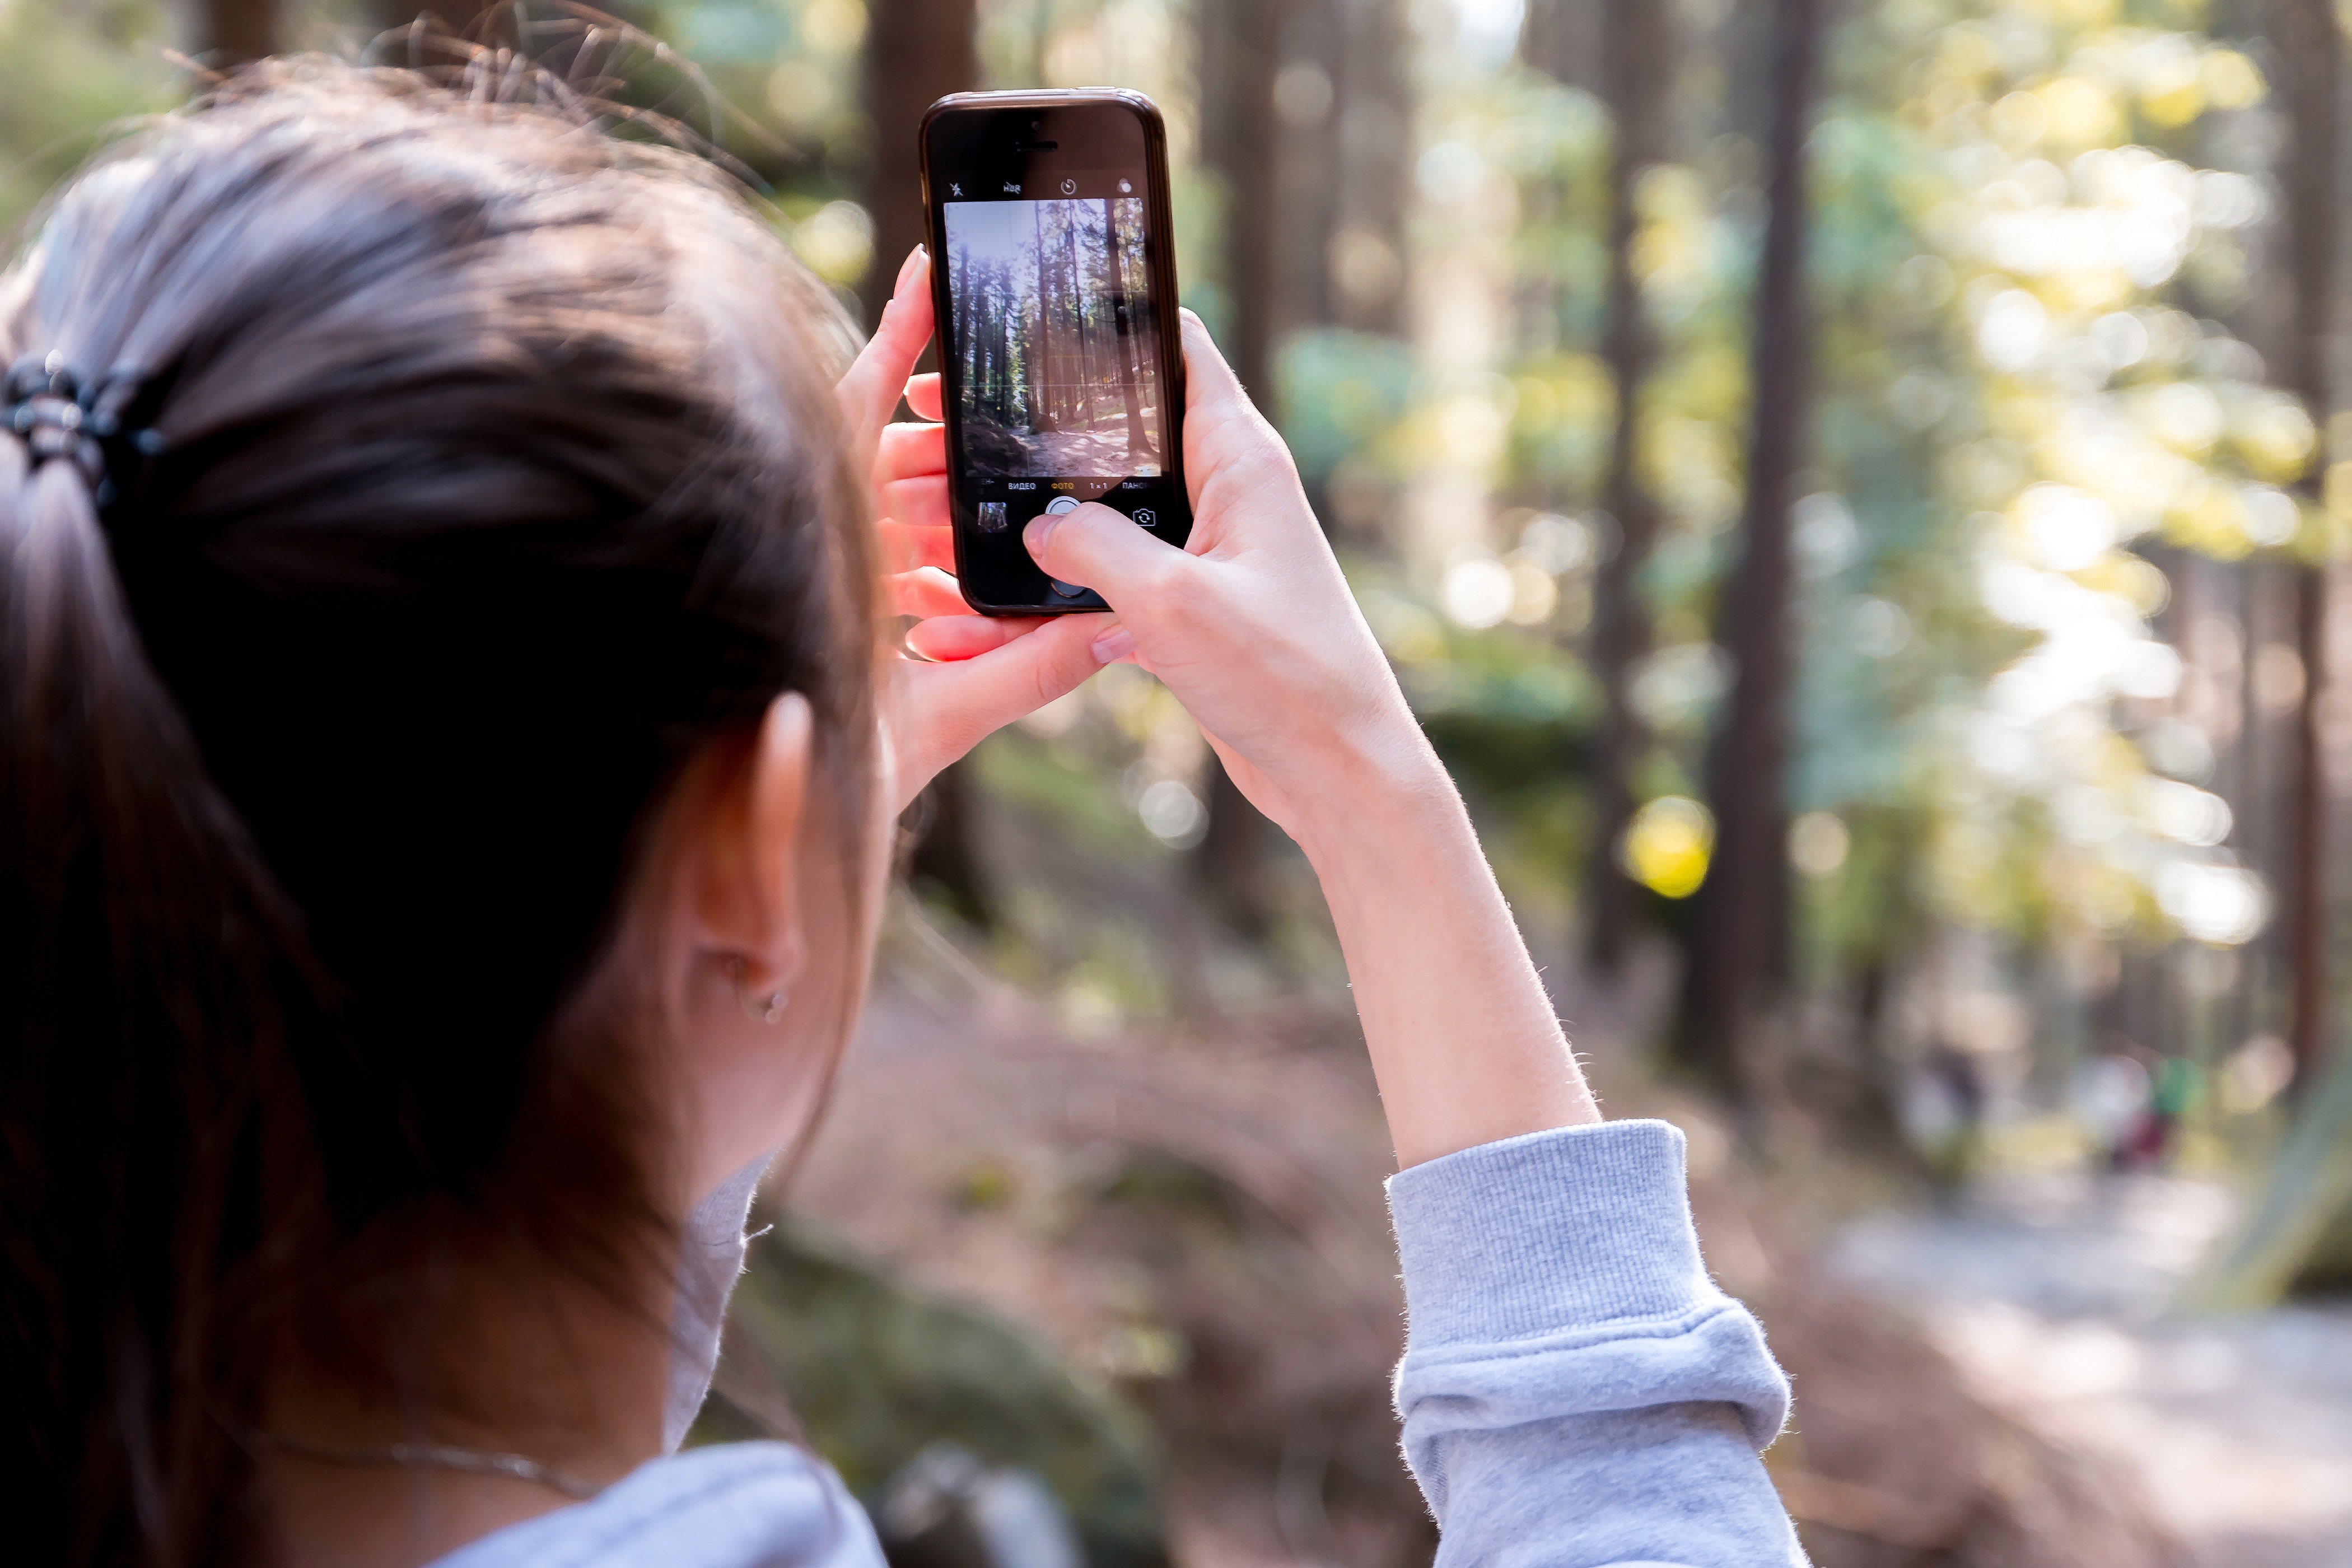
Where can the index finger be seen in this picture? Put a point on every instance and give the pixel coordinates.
(870, 390)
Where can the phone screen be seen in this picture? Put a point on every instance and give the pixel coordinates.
(1054, 344)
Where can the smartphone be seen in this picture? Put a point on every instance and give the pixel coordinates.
(1062, 373)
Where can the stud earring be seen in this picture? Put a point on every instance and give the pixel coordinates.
(761, 1009)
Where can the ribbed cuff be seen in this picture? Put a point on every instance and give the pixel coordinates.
(1552, 1231)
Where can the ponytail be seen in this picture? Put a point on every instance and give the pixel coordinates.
(151, 1125)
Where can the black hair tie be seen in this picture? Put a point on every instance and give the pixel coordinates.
(57, 415)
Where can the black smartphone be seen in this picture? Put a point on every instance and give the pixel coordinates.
(1062, 373)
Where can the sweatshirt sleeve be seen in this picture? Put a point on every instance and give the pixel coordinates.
(1575, 1391)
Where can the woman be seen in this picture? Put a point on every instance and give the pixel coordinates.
(446, 758)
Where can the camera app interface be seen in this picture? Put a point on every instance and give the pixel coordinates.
(1057, 346)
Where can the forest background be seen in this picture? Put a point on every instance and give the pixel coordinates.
(1858, 492)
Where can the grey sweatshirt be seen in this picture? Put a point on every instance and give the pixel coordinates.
(1575, 1390)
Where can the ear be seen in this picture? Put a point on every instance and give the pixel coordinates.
(746, 898)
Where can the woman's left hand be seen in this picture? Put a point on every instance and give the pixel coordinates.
(979, 673)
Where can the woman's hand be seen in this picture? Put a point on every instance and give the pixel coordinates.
(982, 673)
(1251, 625)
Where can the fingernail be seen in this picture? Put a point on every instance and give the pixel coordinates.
(1114, 645)
(906, 269)
(1040, 529)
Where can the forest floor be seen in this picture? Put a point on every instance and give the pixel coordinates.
(1192, 1213)
(1103, 452)
(2053, 1294)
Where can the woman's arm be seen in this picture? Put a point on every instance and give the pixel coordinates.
(1575, 1390)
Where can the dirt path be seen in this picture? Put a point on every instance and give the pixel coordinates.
(2053, 1295)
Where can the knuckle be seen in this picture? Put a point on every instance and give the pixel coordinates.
(1173, 585)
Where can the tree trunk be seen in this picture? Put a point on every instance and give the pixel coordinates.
(238, 32)
(1124, 339)
(1637, 67)
(1374, 114)
(1240, 56)
(1563, 39)
(917, 51)
(1742, 913)
(945, 858)
(2310, 51)
(1082, 351)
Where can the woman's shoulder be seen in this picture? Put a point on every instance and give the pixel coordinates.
(730, 1505)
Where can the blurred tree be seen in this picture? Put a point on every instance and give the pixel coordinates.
(917, 51)
(1741, 916)
(1341, 175)
(1363, 256)
(2311, 57)
(1564, 40)
(237, 31)
(1306, 157)
(1637, 53)
(1241, 44)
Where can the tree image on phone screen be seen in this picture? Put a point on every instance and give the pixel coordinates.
(1057, 343)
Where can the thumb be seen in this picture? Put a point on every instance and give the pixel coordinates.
(949, 707)
(1107, 551)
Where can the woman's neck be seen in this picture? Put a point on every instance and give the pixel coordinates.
(565, 1380)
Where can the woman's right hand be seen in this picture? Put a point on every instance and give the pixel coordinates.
(1252, 626)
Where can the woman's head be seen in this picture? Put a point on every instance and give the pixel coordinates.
(493, 498)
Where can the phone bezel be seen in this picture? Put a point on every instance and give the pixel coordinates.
(1161, 248)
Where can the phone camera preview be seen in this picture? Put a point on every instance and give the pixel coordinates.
(1059, 374)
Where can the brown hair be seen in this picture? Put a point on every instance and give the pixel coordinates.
(492, 475)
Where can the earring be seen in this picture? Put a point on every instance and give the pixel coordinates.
(767, 1009)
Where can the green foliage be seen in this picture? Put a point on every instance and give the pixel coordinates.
(875, 1372)
(69, 74)
(1336, 391)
